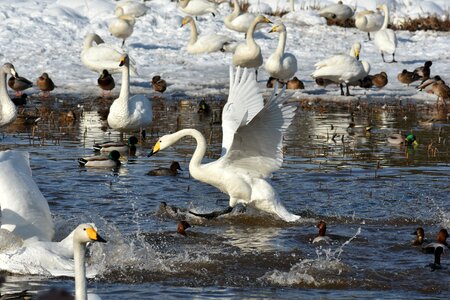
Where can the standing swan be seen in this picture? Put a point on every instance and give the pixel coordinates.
(197, 7)
(129, 113)
(237, 21)
(369, 21)
(122, 26)
(281, 65)
(252, 146)
(8, 110)
(385, 38)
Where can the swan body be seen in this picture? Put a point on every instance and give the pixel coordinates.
(197, 7)
(122, 26)
(369, 21)
(129, 113)
(102, 56)
(281, 65)
(26, 225)
(131, 8)
(248, 54)
(337, 11)
(251, 146)
(385, 38)
(8, 111)
(205, 43)
(238, 21)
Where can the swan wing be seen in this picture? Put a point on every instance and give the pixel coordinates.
(244, 102)
(25, 211)
(105, 56)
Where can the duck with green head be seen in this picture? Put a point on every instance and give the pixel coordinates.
(110, 161)
(129, 147)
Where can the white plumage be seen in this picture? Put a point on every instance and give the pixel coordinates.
(132, 8)
(197, 7)
(122, 26)
(337, 11)
(385, 38)
(238, 21)
(8, 110)
(369, 21)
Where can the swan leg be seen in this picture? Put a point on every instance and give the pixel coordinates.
(393, 58)
(368, 34)
(342, 89)
(123, 43)
(256, 74)
(347, 93)
(382, 56)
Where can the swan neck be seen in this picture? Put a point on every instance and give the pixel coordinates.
(91, 38)
(4, 97)
(250, 31)
(194, 33)
(281, 43)
(236, 9)
(199, 152)
(79, 250)
(386, 17)
(125, 88)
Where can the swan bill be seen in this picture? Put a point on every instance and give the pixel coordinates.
(93, 235)
(123, 60)
(155, 149)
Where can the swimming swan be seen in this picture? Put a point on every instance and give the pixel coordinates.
(129, 113)
(197, 7)
(8, 110)
(238, 21)
(27, 228)
(102, 56)
(369, 21)
(281, 65)
(251, 146)
(122, 26)
(205, 43)
(385, 38)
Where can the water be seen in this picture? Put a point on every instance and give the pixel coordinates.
(372, 195)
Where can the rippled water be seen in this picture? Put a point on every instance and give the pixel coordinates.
(371, 194)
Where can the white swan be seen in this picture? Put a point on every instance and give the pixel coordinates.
(8, 110)
(337, 11)
(369, 21)
(102, 56)
(205, 43)
(281, 65)
(131, 8)
(27, 228)
(122, 26)
(129, 113)
(238, 21)
(342, 68)
(248, 54)
(251, 146)
(197, 7)
(385, 38)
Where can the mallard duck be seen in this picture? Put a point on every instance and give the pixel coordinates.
(171, 171)
(423, 72)
(295, 84)
(19, 84)
(158, 84)
(379, 80)
(385, 38)
(110, 161)
(129, 147)
(203, 107)
(45, 84)
(398, 138)
(105, 81)
(407, 77)
(440, 89)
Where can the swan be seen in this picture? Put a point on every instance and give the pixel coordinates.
(105, 81)
(102, 56)
(251, 146)
(122, 26)
(8, 110)
(337, 11)
(248, 54)
(19, 84)
(27, 228)
(342, 68)
(238, 21)
(129, 113)
(281, 65)
(197, 7)
(385, 38)
(45, 84)
(205, 43)
(369, 21)
(131, 8)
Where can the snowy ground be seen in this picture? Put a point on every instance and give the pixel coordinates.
(47, 36)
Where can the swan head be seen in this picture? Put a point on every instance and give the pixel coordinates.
(124, 60)
(262, 19)
(278, 28)
(9, 68)
(86, 233)
(163, 142)
(382, 7)
(119, 12)
(186, 20)
(356, 50)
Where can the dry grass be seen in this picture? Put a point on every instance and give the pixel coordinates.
(426, 23)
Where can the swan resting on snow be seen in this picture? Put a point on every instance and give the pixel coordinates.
(252, 146)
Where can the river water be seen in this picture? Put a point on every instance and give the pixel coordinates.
(371, 194)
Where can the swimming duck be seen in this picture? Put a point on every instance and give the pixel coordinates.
(8, 110)
(420, 236)
(322, 231)
(111, 161)
(385, 38)
(423, 72)
(437, 248)
(129, 147)
(19, 84)
(295, 84)
(203, 107)
(45, 84)
(158, 84)
(182, 226)
(398, 138)
(171, 171)
(337, 11)
(105, 81)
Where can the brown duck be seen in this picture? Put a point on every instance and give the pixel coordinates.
(295, 84)
(407, 77)
(45, 84)
(106, 81)
(423, 71)
(171, 171)
(159, 84)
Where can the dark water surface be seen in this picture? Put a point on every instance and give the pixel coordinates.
(372, 195)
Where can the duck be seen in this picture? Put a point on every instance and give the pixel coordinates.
(103, 56)
(281, 65)
(271, 82)
(28, 228)
(339, 11)
(159, 84)
(369, 21)
(205, 43)
(203, 107)
(129, 147)
(343, 68)
(110, 161)
(407, 77)
(398, 139)
(129, 113)
(8, 110)
(238, 21)
(248, 54)
(428, 84)
(182, 226)
(45, 84)
(244, 166)
(295, 84)
(122, 26)
(420, 237)
(197, 7)
(19, 84)
(171, 171)
(322, 231)
(385, 39)
(379, 80)
(437, 87)
(131, 8)
(423, 72)
(105, 81)
(437, 248)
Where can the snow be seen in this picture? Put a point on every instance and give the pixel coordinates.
(47, 36)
